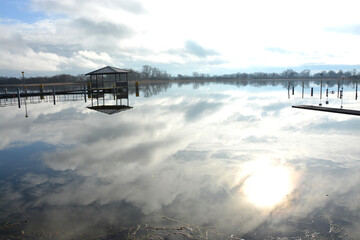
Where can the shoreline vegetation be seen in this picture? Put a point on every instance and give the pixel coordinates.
(150, 75)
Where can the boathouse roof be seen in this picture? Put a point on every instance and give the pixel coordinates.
(108, 70)
(110, 109)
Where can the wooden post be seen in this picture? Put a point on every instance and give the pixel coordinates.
(41, 91)
(54, 95)
(97, 90)
(114, 87)
(356, 87)
(18, 94)
(312, 91)
(137, 89)
(293, 89)
(85, 92)
(103, 87)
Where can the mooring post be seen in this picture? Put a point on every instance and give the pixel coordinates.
(18, 94)
(97, 90)
(92, 95)
(114, 84)
(356, 86)
(85, 93)
(41, 91)
(293, 89)
(137, 89)
(312, 92)
(54, 95)
(320, 104)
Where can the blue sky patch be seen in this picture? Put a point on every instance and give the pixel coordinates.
(19, 10)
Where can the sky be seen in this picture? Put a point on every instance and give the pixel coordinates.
(49, 37)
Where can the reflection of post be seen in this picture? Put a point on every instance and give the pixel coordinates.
(289, 90)
(302, 89)
(137, 88)
(321, 89)
(338, 89)
(293, 89)
(312, 91)
(327, 96)
(356, 95)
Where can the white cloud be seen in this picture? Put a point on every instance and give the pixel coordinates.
(142, 32)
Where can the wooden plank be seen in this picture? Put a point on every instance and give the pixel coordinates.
(328, 109)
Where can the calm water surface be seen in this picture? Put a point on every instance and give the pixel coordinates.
(199, 161)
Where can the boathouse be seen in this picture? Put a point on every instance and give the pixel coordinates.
(109, 80)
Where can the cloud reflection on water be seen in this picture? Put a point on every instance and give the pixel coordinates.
(233, 162)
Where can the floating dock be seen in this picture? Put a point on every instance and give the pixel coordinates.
(328, 109)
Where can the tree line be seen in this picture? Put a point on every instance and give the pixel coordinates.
(152, 73)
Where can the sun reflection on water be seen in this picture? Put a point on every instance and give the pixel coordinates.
(267, 185)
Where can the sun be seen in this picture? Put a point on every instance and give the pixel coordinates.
(268, 185)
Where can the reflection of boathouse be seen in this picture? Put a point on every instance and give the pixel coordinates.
(109, 81)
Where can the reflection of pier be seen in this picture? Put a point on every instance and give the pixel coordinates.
(12, 95)
(328, 109)
(108, 84)
(109, 80)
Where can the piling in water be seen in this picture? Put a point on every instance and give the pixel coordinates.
(85, 92)
(18, 95)
(356, 94)
(137, 88)
(54, 95)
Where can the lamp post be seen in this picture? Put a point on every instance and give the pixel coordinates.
(23, 76)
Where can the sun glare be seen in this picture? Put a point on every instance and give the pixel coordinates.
(268, 185)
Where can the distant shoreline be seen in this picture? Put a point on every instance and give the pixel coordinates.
(151, 81)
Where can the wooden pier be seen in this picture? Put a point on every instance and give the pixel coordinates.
(328, 109)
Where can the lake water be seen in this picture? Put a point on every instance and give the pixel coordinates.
(188, 161)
